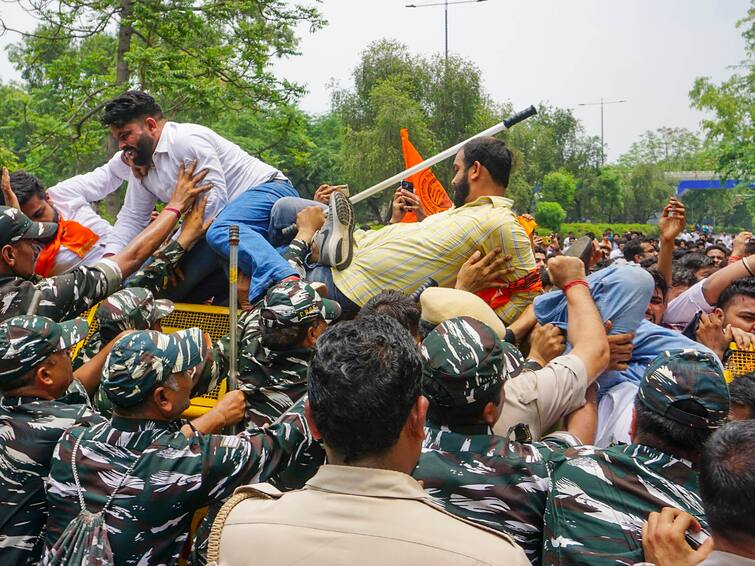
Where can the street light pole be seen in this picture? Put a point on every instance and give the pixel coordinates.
(446, 29)
(445, 5)
(602, 103)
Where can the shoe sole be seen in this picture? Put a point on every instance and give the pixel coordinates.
(338, 243)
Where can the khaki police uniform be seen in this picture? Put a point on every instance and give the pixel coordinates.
(351, 515)
(540, 398)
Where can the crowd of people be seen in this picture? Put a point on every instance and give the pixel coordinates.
(450, 390)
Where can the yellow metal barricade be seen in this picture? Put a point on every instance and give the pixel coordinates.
(739, 363)
(211, 319)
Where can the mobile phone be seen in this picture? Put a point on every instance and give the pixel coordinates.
(343, 189)
(407, 186)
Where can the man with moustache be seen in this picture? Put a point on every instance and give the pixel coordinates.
(154, 146)
(403, 256)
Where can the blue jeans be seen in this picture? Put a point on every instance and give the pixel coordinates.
(257, 256)
(622, 294)
(204, 277)
(284, 214)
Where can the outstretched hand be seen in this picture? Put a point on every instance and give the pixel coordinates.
(483, 272)
(188, 186)
(673, 220)
(8, 195)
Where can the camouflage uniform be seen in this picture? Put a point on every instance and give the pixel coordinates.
(173, 475)
(66, 296)
(30, 427)
(600, 498)
(133, 308)
(273, 380)
(494, 481)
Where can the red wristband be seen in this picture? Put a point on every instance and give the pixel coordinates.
(175, 210)
(734, 258)
(571, 284)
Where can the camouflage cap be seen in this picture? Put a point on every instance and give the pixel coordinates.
(295, 302)
(15, 226)
(134, 308)
(142, 360)
(26, 341)
(686, 375)
(462, 360)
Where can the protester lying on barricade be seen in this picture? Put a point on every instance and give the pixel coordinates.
(66, 296)
(403, 256)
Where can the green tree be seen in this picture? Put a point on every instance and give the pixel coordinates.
(647, 192)
(550, 215)
(672, 149)
(559, 186)
(440, 106)
(731, 130)
(611, 192)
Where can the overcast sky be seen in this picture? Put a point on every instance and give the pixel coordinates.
(561, 51)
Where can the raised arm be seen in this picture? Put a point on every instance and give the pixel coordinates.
(188, 188)
(715, 284)
(586, 333)
(672, 223)
(84, 189)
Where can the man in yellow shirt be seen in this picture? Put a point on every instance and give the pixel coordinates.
(404, 255)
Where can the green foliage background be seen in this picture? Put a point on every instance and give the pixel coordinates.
(210, 62)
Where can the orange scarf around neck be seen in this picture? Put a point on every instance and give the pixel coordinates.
(73, 236)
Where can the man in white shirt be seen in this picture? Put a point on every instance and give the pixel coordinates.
(149, 141)
(83, 232)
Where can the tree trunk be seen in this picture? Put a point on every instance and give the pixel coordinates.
(124, 43)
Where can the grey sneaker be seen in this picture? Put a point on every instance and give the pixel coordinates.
(336, 237)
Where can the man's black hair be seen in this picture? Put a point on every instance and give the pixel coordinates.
(396, 305)
(25, 186)
(131, 105)
(695, 260)
(718, 247)
(742, 392)
(633, 248)
(363, 380)
(659, 281)
(668, 435)
(745, 286)
(492, 154)
(682, 276)
(750, 247)
(727, 482)
(281, 338)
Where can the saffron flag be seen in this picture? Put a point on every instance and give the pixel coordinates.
(431, 193)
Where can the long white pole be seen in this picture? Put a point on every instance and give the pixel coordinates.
(515, 119)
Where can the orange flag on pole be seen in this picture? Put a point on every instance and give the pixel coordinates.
(426, 186)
